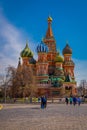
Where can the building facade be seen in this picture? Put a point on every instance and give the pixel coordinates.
(54, 73)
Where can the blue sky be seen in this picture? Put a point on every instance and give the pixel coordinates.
(27, 19)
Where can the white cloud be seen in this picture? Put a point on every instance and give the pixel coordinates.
(80, 70)
(12, 41)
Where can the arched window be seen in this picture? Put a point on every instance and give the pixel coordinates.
(66, 87)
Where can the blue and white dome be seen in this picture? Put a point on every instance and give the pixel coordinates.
(42, 47)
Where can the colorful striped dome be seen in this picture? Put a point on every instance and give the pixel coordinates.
(42, 47)
(26, 52)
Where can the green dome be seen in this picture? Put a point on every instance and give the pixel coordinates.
(59, 58)
(26, 52)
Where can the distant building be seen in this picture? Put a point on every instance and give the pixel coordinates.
(54, 73)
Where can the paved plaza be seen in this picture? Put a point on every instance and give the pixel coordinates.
(54, 117)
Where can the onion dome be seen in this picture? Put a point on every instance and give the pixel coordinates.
(67, 50)
(26, 52)
(42, 47)
(59, 58)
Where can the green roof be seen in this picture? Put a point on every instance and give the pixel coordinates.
(42, 74)
(68, 78)
(44, 80)
(56, 79)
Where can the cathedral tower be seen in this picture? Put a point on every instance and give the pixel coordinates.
(51, 43)
(26, 54)
(42, 64)
(68, 63)
(69, 84)
(49, 38)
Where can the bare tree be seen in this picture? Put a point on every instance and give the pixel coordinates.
(4, 86)
(1, 86)
(22, 81)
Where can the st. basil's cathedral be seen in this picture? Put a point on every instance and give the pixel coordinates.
(54, 73)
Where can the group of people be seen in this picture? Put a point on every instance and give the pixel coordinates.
(73, 100)
(43, 102)
(69, 100)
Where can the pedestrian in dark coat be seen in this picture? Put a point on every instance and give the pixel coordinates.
(43, 102)
(79, 101)
(74, 100)
(66, 100)
(70, 100)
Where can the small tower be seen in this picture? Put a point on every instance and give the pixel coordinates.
(42, 64)
(19, 63)
(68, 65)
(19, 67)
(26, 54)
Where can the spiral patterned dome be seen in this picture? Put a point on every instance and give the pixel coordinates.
(26, 52)
(42, 47)
(67, 50)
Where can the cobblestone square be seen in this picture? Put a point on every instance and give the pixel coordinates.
(54, 117)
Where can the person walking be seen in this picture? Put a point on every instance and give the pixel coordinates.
(45, 101)
(74, 100)
(71, 100)
(66, 100)
(79, 101)
(42, 104)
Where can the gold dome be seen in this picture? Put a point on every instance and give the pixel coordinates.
(50, 19)
(59, 58)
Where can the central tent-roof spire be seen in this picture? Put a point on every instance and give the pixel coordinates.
(49, 33)
(49, 39)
